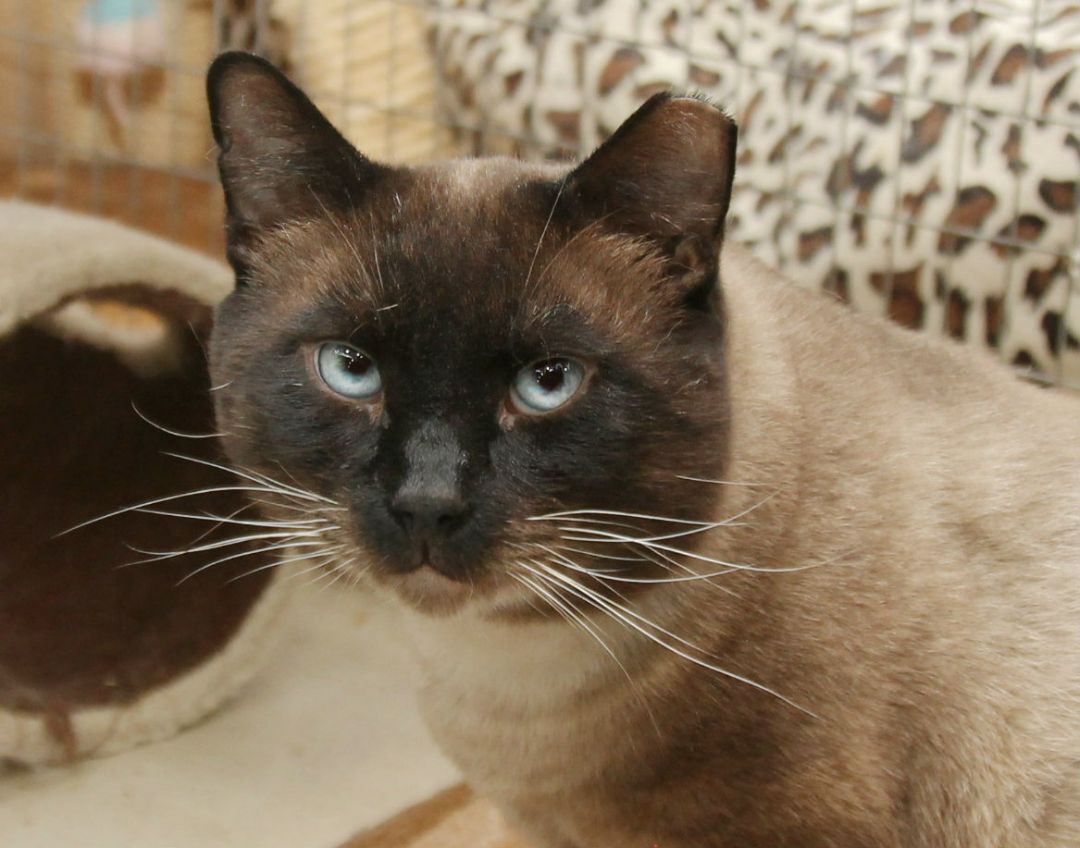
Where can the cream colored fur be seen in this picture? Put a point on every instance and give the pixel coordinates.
(49, 255)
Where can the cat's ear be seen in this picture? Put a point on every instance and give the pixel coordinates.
(280, 159)
(666, 175)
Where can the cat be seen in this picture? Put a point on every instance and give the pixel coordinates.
(690, 557)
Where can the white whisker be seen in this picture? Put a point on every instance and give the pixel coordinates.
(550, 516)
(536, 583)
(224, 543)
(699, 527)
(206, 491)
(210, 530)
(177, 433)
(546, 590)
(661, 538)
(606, 537)
(605, 576)
(240, 555)
(338, 574)
(631, 619)
(256, 477)
(330, 553)
(543, 233)
(220, 519)
(615, 557)
(716, 482)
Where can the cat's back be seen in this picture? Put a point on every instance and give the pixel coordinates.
(865, 379)
(947, 477)
(945, 492)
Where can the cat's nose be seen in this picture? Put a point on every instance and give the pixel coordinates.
(430, 516)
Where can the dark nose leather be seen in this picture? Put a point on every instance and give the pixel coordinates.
(428, 516)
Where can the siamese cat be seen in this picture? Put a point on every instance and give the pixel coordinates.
(690, 557)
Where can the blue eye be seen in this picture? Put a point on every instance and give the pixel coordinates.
(347, 370)
(546, 385)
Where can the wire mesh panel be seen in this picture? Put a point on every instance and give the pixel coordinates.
(917, 158)
(103, 113)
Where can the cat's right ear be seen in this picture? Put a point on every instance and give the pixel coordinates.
(280, 159)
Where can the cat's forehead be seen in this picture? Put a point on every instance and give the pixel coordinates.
(472, 242)
(462, 183)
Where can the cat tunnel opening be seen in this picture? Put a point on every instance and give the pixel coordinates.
(88, 389)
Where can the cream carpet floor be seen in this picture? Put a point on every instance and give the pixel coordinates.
(326, 742)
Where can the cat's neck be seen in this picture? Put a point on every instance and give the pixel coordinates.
(523, 664)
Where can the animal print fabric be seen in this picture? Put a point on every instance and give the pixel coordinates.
(917, 158)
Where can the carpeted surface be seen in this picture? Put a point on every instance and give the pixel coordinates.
(455, 818)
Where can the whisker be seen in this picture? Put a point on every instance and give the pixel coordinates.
(209, 530)
(548, 591)
(572, 512)
(598, 521)
(288, 560)
(699, 527)
(305, 508)
(601, 555)
(605, 576)
(528, 547)
(310, 568)
(661, 538)
(205, 491)
(170, 432)
(255, 477)
(240, 555)
(338, 574)
(355, 574)
(337, 567)
(537, 584)
(224, 543)
(716, 482)
(607, 537)
(544, 232)
(609, 588)
(631, 619)
(220, 519)
(295, 483)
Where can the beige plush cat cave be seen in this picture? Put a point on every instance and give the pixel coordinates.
(112, 642)
(108, 637)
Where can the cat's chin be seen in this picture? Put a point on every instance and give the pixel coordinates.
(427, 591)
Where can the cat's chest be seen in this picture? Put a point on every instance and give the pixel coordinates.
(522, 707)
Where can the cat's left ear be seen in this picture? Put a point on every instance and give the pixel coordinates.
(280, 159)
(666, 176)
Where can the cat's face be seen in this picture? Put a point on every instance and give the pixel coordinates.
(451, 354)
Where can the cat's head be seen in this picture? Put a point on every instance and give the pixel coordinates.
(486, 368)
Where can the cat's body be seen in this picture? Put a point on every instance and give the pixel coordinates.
(937, 639)
(900, 665)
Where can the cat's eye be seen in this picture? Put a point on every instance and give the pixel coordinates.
(546, 385)
(348, 370)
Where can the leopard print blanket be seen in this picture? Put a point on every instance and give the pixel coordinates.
(918, 159)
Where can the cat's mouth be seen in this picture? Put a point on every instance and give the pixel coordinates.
(433, 592)
(431, 582)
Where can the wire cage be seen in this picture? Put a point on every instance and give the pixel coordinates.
(919, 159)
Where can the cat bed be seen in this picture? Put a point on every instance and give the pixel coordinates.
(326, 741)
(111, 635)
